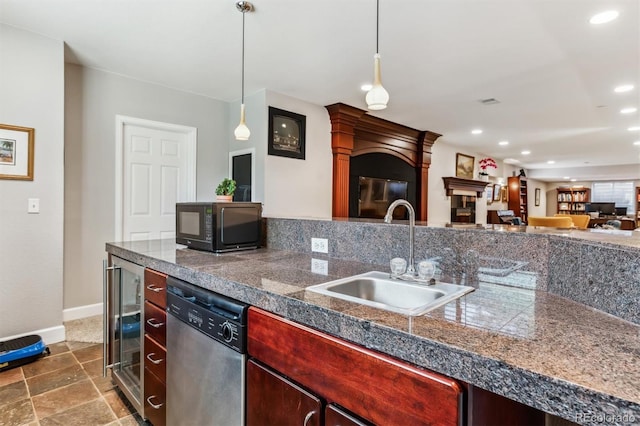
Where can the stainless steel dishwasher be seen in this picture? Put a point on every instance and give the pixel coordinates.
(206, 357)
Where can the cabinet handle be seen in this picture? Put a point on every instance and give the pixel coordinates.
(155, 361)
(308, 417)
(153, 323)
(154, 288)
(156, 406)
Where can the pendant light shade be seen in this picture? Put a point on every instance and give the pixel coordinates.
(377, 98)
(242, 132)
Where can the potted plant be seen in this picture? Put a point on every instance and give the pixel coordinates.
(485, 164)
(225, 190)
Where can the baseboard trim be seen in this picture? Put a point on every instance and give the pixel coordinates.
(49, 335)
(80, 312)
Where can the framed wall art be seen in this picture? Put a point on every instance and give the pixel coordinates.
(496, 192)
(537, 197)
(286, 133)
(16, 152)
(489, 192)
(464, 166)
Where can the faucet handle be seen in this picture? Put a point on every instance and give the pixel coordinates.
(398, 266)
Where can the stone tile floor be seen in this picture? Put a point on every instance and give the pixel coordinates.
(64, 388)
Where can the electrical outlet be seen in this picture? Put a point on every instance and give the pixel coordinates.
(319, 266)
(320, 245)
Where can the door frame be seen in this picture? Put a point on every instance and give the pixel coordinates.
(245, 151)
(191, 148)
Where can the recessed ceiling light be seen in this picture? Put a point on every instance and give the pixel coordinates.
(366, 87)
(624, 88)
(633, 128)
(566, 177)
(476, 131)
(525, 152)
(551, 162)
(604, 17)
(573, 180)
(636, 143)
(629, 110)
(503, 143)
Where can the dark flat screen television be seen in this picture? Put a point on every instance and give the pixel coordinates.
(605, 209)
(375, 195)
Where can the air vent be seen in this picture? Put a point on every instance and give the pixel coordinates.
(489, 101)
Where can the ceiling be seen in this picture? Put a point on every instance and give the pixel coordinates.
(552, 72)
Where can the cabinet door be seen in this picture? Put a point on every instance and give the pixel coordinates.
(154, 399)
(272, 400)
(369, 384)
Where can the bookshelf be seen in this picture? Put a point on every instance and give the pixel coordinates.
(518, 197)
(637, 206)
(573, 200)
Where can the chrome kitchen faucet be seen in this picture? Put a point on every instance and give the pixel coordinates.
(411, 270)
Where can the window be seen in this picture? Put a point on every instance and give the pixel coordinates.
(621, 193)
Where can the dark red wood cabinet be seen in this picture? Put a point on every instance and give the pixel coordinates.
(155, 352)
(272, 400)
(374, 387)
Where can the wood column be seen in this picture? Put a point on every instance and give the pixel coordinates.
(343, 121)
(425, 142)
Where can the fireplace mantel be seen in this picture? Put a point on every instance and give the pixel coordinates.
(453, 183)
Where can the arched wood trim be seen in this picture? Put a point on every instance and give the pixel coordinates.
(353, 133)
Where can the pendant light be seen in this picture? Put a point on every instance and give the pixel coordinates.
(242, 132)
(377, 97)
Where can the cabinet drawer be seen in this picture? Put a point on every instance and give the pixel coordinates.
(155, 395)
(272, 400)
(155, 287)
(155, 358)
(155, 323)
(375, 386)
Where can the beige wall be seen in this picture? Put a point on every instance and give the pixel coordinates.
(94, 98)
(31, 245)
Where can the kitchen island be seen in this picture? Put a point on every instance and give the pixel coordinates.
(521, 342)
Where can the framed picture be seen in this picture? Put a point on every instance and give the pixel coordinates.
(505, 194)
(464, 166)
(496, 192)
(537, 198)
(286, 133)
(489, 194)
(16, 152)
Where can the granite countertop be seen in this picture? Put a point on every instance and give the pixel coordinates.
(531, 346)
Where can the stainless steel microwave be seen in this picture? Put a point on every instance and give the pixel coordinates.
(219, 227)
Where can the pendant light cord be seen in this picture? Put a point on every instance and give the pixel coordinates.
(377, 23)
(243, 13)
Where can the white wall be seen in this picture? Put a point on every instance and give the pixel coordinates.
(288, 187)
(301, 188)
(31, 261)
(94, 98)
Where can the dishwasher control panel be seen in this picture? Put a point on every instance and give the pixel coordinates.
(217, 316)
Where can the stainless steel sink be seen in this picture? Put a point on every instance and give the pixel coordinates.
(377, 289)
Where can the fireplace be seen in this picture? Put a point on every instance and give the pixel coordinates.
(367, 146)
(375, 181)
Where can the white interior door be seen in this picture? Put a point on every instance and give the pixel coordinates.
(158, 170)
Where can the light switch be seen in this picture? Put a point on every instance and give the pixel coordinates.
(34, 205)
